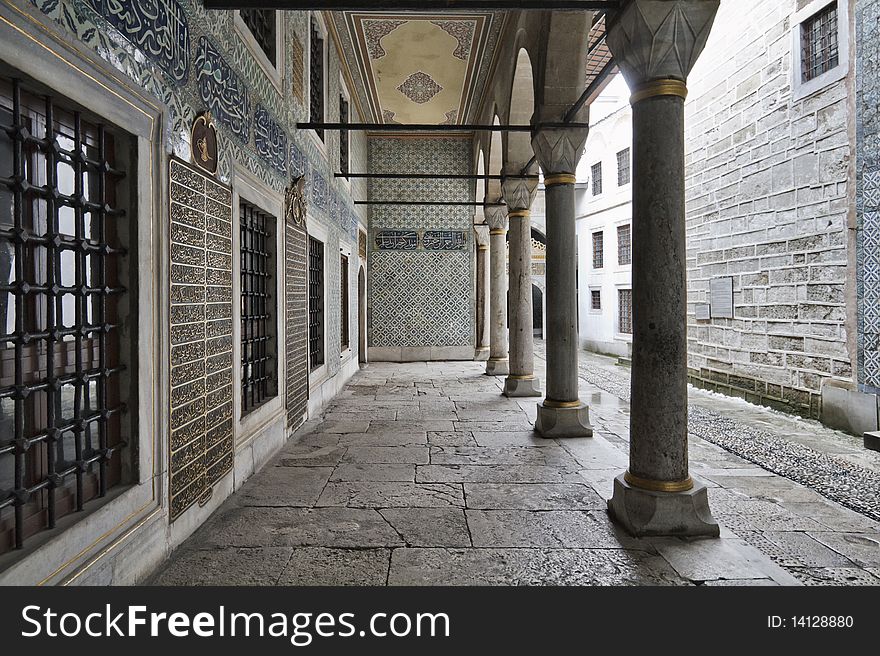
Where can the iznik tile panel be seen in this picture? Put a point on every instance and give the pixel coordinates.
(296, 299)
(202, 443)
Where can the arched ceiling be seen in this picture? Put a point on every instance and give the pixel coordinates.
(419, 67)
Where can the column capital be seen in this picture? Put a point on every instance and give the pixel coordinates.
(496, 216)
(518, 193)
(660, 39)
(559, 149)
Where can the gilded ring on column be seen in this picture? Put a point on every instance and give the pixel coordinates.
(658, 486)
(664, 87)
(502, 231)
(519, 214)
(516, 377)
(559, 179)
(550, 403)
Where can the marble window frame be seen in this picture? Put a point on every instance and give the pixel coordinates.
(321, 373)
(274, 72)
(321, 144)
(249, 188)
(799, 88)
(66, 552)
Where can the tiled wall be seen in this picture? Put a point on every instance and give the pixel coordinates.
(419, 297)
(867, 21)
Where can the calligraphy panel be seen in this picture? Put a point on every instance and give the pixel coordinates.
(221, 89)
(270, 140)
(444, 240)
(397, 240)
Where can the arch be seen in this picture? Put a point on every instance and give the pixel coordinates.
(537, 311)
(518, 145)
(480, 191)
(496, 162)
(563, 68)
(537, 235)
(362, 315)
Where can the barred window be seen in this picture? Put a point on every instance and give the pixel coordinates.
(316, 76)
(262, 24)
(595, 299)
(316, 303)
(596, 171)
(624, 311)
(598, 250)
(624, 245)
(63, 291)
(623, 167)
(819, 43)
(343, 295)
(259, 370)
(343, 137)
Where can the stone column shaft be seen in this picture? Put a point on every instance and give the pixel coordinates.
(482, 276)
(497, 365)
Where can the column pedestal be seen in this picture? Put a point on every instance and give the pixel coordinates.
(497, 366)
(644, 513)
(571, 421)
(515, 386)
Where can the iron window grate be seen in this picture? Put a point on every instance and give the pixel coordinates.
(624, 311)
(343, 137)
(316, 77)
(596, 171)
(60, 356)
(258, 368)
(624, 245)
(623, 167)
(598, 250)
(316, 303)
(343, 282)
(820, 46)
(595, 299)
(262, 24)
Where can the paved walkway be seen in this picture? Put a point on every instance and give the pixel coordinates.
(423, 474)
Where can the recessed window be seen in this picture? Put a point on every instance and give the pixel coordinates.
(595, 299)
(343, 137)
(623, 167)
(819, 42)
(624, 245)
(624, 311)
(596, 171)
(316, 76)
(64, 225)
(343, 296)
(259, 377)
(316, 303)
(263, 25)
(598, 250)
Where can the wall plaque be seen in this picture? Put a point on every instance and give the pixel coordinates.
(721, 298)
(702, 312)
(203, 142)
(444, 240)
(397, 240)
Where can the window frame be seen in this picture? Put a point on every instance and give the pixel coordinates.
(65, 553)
(799, 88)
(345, 309)
(617, 325)
(598, 254)
(628, 152)
(246, 186)
(618, 227)
(592, 306)
(344, 93)
(274, 72)
(596, 180)
(320, 141)
(320, 373)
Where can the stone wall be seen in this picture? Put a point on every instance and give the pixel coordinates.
(421, 257)
(767, 206)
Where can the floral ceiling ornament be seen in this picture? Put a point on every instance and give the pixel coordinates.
(375, 31)
(420, 87)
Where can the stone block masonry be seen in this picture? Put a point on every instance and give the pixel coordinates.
(766, 184)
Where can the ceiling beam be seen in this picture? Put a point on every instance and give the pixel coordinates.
(413, 5)
(433, 176)
(430, 127)
(444, 203)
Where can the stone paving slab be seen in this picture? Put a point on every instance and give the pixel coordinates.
(422, 473)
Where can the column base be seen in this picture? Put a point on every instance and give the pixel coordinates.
(497, 367)
(481, 354)
(644, 513)
(516, 387)
(573, 421)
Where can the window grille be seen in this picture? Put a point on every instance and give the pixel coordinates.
(262, 24)
(624, 245)
(343, 282)
(258, 366)
(316, 77)
(316, 303)
(623, 167)
(598, 250)
(595, 299)
(596, 171)
(820, 46)
(61, 233)
(343, 137)
(624, 310)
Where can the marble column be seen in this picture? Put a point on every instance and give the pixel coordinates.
(481, 234)
(521, 381)
(562, 413)
(496, 218)
(655, 43)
